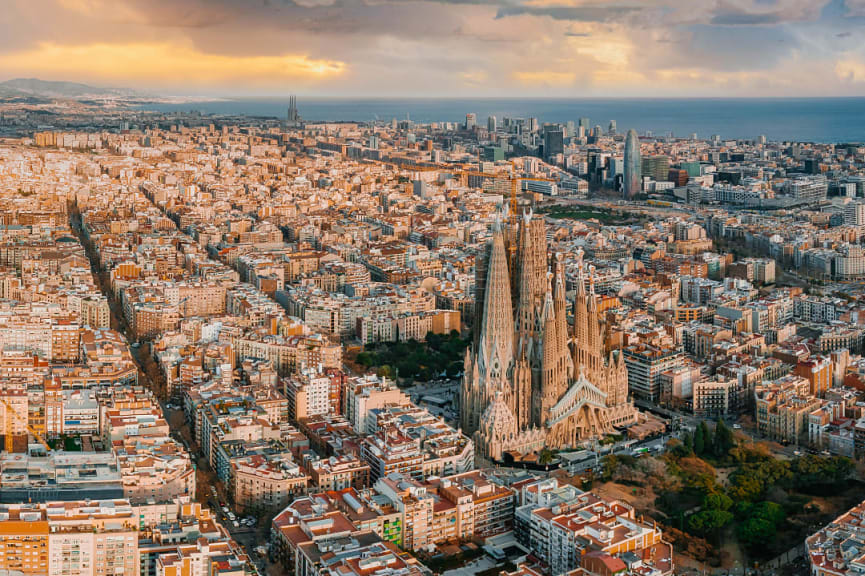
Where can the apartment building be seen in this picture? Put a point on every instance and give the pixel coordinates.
(782, 409)
(569, 529)
(645, 365)
(836, 549)
(259, 483)
(411, 499)
(338, 472)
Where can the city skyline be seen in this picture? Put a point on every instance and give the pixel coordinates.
(355, 48)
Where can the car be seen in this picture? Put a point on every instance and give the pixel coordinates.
(796, 453)
(225, 509)
(737, 426)
(236, 525)
(231, 516)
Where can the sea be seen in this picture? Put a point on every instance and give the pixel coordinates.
(825, 120)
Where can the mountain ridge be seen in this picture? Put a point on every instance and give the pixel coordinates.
(36, 87)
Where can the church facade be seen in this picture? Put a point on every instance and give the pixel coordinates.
(530, 381)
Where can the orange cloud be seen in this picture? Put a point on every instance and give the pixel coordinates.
(164, 63)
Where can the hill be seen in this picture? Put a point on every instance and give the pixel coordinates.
(34, 87)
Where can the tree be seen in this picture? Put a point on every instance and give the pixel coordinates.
(761, 525)
(689, 443)
(545, 457)
(700, 439)
(385, 371)
(608, 466)
(709, 522)
(754, 531)
(815, 473)
(717, 501)
(722, 440)
(752, 479)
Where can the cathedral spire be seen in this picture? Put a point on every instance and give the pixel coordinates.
(526, 312)
(495, 347)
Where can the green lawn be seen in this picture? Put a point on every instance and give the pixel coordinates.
(602, 215)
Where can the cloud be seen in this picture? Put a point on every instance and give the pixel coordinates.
(474, 77)
(439, 47)
(763, 12)
(163, 64)
(577, 13)
(545, 78)
(737, 18)
(850, 70)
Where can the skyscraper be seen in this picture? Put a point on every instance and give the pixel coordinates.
(554, 142)
(657, 167)
(612, 129)
(471, 121)
(632, 179)
(492, 124)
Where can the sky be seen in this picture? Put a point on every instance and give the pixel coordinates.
(442, 48)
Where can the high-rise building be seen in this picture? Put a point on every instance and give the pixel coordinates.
(524, 386)
(632, 180)
(586, 124)
(655, 167)
(471, 121)
(854, 214)
(615, 166)
(612, 129)
(554, 142)
(492, 124)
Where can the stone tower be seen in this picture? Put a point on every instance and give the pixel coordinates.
(492, 360)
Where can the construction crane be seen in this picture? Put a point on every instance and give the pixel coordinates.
(10, 414)
(515, 189)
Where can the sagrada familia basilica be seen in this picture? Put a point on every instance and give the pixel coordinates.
(530, 381)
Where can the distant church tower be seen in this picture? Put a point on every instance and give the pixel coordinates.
(293, 118)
